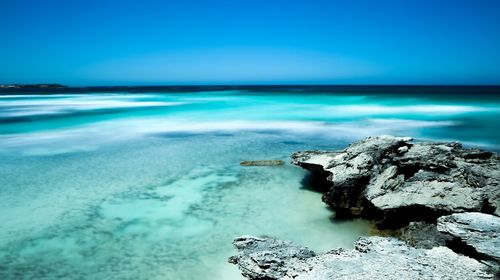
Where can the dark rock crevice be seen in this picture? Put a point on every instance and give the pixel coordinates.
(397, 218)
(458, 246)
(488, 207)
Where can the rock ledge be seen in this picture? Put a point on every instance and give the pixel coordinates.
(395, 180)
(372, 258)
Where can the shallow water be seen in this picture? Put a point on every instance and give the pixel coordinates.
(148, 186)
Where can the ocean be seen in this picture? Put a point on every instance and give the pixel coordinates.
(145, 182)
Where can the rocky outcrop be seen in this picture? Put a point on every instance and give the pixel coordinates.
(475, 234)
(396, 180)
(440, 200)
(372, 258)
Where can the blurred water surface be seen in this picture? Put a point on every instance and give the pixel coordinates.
(148, 185)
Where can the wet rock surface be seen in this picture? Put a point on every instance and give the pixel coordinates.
(372, 258)
(395, 180)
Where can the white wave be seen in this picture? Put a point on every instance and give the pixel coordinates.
(10, 96)
(50, 107)
(405, 123)
(78, 95)
(405, 109)
(92, 136)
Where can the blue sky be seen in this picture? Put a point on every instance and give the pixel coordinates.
(134, 42)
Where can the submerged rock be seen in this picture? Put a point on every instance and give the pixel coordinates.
(262, 163)
(372, 258)
(395, 180)
(476, 233)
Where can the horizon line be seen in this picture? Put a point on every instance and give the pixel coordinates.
(61, 86)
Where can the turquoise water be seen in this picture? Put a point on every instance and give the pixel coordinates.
(148, 185)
